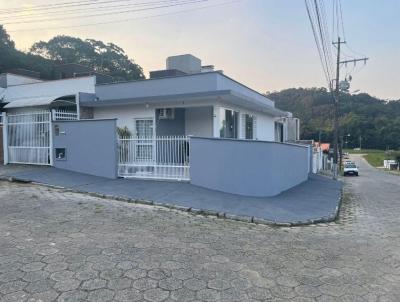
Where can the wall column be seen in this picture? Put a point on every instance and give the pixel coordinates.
(216, 120)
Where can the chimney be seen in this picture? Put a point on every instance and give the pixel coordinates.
(188, 63)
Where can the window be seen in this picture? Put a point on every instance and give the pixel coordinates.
(229, 123)
(144, 128)
(249, 126)
(144, 146)
(60, 153)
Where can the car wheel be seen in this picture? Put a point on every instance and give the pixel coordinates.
(357, 174)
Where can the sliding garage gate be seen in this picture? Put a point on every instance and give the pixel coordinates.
(28, 138)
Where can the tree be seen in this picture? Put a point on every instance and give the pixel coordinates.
(108, 58)
(5, 40)
(375, 120)
(11, 58)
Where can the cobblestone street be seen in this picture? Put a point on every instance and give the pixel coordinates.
(63, 246)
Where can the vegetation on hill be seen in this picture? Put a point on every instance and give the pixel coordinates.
(376, 121)
(43, 56)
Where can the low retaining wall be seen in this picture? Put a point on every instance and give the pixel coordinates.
(90, 146)
(251, 168)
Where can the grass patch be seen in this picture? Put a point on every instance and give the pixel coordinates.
(376, 158)
(363, 151)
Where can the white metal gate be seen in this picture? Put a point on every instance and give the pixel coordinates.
(28, 138)
(165, 157)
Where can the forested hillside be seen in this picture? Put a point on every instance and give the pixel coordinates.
(375, 120)
(43, 56)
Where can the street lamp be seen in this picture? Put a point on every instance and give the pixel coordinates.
(347, 136)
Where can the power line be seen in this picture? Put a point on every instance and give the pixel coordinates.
(127, 19)
(340, 17)
(316, 40)
(340, 20)
(319, 29)
(77, 10)
(326, 30)
(62, 5)
(321, 26)
(108, 13)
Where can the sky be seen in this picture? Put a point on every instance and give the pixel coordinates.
(265, 44)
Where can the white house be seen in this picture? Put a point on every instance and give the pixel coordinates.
(188, 99)
(186, 122)
(25, 94)
(184, 99)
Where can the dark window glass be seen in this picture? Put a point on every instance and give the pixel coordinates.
(249, 120)
(229, 124)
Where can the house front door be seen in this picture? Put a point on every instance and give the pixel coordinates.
(144, 130)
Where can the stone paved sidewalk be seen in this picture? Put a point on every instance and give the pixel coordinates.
(315, 200)
(56, 245)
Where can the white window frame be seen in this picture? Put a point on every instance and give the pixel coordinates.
(147, 141)
(144, 119)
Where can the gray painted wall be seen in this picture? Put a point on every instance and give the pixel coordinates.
(199, 121)
(175, 126)
(251, 168)
(91, 147)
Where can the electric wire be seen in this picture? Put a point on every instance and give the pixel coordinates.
(127, 19)
(63, 5)
(319, 30)
(61, 11)
(107, 13)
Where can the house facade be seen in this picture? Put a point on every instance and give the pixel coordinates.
(21, 94)
(185, 99)
(180, 124)
(188, 99)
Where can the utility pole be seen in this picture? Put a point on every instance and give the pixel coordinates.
(336, 107)
(336, 111)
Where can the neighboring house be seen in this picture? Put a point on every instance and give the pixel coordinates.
(74, 70)
(325, 147)
(25, 94)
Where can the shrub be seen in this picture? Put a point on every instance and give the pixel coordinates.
(124, 132)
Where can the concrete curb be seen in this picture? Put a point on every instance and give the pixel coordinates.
(203, 212)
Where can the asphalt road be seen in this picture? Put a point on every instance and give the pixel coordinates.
(63, 246)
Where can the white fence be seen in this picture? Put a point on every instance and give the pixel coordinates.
(28, 138)
(64, 115)
(317, 160)
(164, 157)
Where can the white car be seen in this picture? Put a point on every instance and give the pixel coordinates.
(350, 169)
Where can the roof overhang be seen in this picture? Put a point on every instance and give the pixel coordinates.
(36, 101)
(226, 96)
